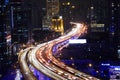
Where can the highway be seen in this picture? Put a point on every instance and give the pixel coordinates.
(42, 58)
(22, 58)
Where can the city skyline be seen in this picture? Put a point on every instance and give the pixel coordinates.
(26, 23)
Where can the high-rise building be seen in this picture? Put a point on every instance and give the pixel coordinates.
(65, 11)
(52, 9)
(37, 13)
(97, 15)
(107, 13)
(3, 47)
(100, 10)
(114, 24)
(53, 21)
(20, 21)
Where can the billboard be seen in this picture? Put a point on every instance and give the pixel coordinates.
(77, 41)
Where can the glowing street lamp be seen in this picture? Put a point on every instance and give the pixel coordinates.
(90, 65)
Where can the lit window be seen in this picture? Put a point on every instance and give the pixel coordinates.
(4, 6)
(68, 3)
(113, 5)
(91, 7)
(73, 7)
(112, 17)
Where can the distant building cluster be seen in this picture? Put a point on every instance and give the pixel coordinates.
(104, 18)
(17, 19)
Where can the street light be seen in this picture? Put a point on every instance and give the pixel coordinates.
(90, 65)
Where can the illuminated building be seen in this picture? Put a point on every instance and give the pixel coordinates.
(106, 13)
(98, 12)
(52, 21)
(52, 7)
(104, 19)
(114, 24)
(3, 47)
(20, 16)
(97, 18)
(57, 25)
(114, 19)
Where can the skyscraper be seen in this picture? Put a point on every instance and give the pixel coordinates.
(52, 9)
(20, 21)
(53, 21)
(36, 12)
(98, 12)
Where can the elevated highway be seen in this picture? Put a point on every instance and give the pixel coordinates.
(41, 57)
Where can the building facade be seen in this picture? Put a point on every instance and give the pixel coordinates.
(20, 21)
(53, 21)
(52, 9)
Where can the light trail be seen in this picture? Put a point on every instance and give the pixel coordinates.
(41, 57)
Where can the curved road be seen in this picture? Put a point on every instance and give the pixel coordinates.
(41, 57)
